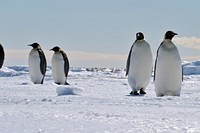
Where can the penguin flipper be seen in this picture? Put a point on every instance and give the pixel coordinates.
(42, 80)
(2, 55)
(66, 63)
(182, 73)
(154, 76)
(128, 61)
(43, 62)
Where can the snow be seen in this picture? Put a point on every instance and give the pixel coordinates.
(67, 90)
(97, 100)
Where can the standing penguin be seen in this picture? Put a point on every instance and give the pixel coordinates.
(37, 64)
(60, 66)
(168, 69)
(139, 65)
(2, 55)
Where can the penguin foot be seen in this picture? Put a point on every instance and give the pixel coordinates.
(142, 91)
(134, 93)
(57, 83)
(67, 83)
(160, 94)
(37, 83)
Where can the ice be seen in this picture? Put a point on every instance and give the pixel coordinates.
(191, 68)
(97, 100)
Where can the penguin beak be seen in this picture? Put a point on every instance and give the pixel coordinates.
(175, 34)
(50, 49)
(30, 45)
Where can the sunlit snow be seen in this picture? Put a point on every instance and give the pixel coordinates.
(97, 100)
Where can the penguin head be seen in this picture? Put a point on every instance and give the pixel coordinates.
(56, 49)
(139, 36)
(35, 45)
(1, 47)
(170, 34)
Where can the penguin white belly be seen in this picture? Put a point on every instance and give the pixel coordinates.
(140, 66)
(58, 68)
(34, 67)
(168, 73)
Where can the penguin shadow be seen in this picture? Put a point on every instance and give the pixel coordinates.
(25, 83)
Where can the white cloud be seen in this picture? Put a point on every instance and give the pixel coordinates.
(190, 58)
(188, 42)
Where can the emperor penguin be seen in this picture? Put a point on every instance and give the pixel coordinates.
(168, 74)
(60, 66)
(37, 64)
(139, 65)
(2, 55)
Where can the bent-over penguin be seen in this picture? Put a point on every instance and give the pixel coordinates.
(139, 65)
(37, 64)
(2, 55)
(168, 69)
(60, 66)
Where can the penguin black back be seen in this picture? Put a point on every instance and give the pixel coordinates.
(43, 62)
(2, 55)
(66, 63)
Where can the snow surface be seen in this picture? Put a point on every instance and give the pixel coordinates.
(97, 101)
(67, 90)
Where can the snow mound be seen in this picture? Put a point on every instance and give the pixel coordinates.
(11, 71)
(68, 90)
(191, 68)
(77, 69)
(19, 68)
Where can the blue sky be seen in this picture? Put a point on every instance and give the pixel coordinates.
(96, 32)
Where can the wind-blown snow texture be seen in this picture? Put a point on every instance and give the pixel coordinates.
(101, 104)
